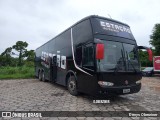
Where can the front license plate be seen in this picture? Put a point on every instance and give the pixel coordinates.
(126, 90)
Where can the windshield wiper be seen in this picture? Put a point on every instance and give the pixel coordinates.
(118, 63)
(130, 62)
(117, 66)
(132, 66)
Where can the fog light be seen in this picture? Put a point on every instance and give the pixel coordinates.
(138, 82)
(104, 83)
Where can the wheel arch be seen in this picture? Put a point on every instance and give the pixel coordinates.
(40, 70)
(72, 73)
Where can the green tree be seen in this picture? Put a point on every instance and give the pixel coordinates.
(5, 57)
(7, 52)
(144, 59)
(155, 39)
(29, 58)
(30, 55)
(20, 46)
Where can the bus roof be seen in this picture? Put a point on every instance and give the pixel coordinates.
(88, 17)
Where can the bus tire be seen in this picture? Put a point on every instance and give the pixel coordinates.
(39, 75)
(72, 86)
(43, 76)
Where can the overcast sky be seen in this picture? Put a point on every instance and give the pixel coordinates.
(37, 21)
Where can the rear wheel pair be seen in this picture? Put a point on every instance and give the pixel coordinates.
(72, 86)
(41, 76)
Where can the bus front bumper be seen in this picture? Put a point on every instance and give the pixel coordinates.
(120, 90)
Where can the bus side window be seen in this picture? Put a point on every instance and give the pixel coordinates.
(88, 56)
(79, 55)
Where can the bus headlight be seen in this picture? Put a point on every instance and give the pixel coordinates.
(138, 82)
(105, 84)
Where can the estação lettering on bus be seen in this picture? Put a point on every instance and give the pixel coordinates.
(114, 27)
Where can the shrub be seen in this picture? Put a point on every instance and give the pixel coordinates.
(16, 72)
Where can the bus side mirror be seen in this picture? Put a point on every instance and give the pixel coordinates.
(150, 55)
(99, 51)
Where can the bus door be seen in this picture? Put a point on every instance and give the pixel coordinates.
(53, 69)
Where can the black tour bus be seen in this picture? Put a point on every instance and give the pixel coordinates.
(96, 55)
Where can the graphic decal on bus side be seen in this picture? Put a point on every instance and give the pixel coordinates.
(114, 27)
(46, 59)
(58, 61)
(63, 62)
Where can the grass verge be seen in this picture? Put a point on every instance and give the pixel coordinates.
(23, 72)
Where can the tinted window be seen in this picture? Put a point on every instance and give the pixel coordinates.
(82, 32)
(79, 55)
(88, 56)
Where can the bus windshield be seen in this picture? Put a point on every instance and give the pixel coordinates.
(119, 57)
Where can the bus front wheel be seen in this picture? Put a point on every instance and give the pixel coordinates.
(72, 86)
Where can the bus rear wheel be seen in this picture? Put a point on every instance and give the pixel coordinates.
(72, 86)
(43, 77)
(39, 75)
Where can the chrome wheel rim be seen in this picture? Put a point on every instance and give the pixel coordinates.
(72, 85)
(43, 77)
(39, 76)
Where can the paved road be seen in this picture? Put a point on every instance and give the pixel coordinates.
(34, 95)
